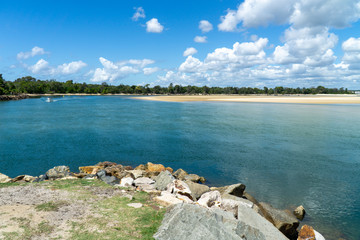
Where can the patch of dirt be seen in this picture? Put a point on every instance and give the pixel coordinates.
(18, 204)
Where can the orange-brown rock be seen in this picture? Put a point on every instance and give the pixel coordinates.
(155, 167)
(90, 169)
(141, 167)
(169, 169)
(306, 233)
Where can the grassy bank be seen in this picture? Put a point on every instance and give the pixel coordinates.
(76, 209)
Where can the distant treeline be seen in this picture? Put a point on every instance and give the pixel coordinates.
(30, 85)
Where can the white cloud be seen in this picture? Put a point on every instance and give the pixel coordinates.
(43, 67)
(149, 71)
(113, 71)
(34, 52)
(205, 26)
(70, 68)
(39, 67)
(154, 26)
(200, 39)
(299, 13)
(140, 13)
(189, 51)
(351, 58)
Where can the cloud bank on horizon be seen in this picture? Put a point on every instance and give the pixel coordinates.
(315, 43)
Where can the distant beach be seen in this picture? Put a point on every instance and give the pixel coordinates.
(309, 99)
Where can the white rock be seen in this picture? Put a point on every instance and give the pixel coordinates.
(143, 180)
(184, 198)
(137, 173)
(318, 236)
(135, 205)
(210, 198)
(179, 187)
(126, 182)
(167, 199)
(4, 178)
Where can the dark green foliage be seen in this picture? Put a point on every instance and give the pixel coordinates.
(31, 85)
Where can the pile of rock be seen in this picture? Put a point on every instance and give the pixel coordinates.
(196, 209)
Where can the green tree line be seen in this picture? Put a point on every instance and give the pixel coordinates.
(31, 85)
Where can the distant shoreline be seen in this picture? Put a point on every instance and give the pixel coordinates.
(307, 99)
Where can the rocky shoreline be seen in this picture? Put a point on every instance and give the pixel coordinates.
(13, 97)
(194, 210)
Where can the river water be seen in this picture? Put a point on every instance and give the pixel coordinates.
(286, 154)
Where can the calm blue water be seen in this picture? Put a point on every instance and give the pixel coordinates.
(286, 154)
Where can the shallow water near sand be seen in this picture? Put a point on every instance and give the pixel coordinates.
(286, 154)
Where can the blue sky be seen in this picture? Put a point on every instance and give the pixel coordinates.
(216, 43)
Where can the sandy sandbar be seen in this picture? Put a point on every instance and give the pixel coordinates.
(308, 99)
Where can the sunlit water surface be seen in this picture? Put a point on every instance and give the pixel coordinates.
(286, 154)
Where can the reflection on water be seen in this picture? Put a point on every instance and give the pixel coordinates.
(286, 154)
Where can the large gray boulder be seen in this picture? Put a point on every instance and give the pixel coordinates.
(197, 189)
(162, 180)
(58, 172)
(193, 222)
(111, 180)
(249, 218)
(285, 221)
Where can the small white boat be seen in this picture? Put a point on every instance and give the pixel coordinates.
(49, 100)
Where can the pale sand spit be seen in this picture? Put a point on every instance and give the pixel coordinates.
(308, 99)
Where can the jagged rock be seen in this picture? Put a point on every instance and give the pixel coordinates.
(68, 178)
(143, 180)
(4, 178)
(166, 199)
(114, 170)
(111, 180)
(299, 212)
(80, 175)
(58, 172)
(235, 190)
(282, 220)
(232, 206)
(135, 205)
(90, 169)
(184, 198)
(209, 199)
(141, 167)
(24, 178)
(163, 180)
(155, 167)
(137, 173)
(318, 236)
(128, 168)
(252, 219)
(197, 189)
(188, 221)
(149, 188)
(306, 233)
(180, 174)
(106, 164)
(169, 169)
(192, 177)
(126, 182)
(180, 187)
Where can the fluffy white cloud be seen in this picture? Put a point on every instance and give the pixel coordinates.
(300, 13)
(39, 67)
(43, 67)
(351, 58)
(34, 52)
(189, 51)
(113, 71)
(140, 13)
(200, 39)
(205, 26)
(311, 46)
(154, 26)
(149, 71)
(70, 68)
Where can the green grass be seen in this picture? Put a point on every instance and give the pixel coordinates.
(111, 219)
(50, 206)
